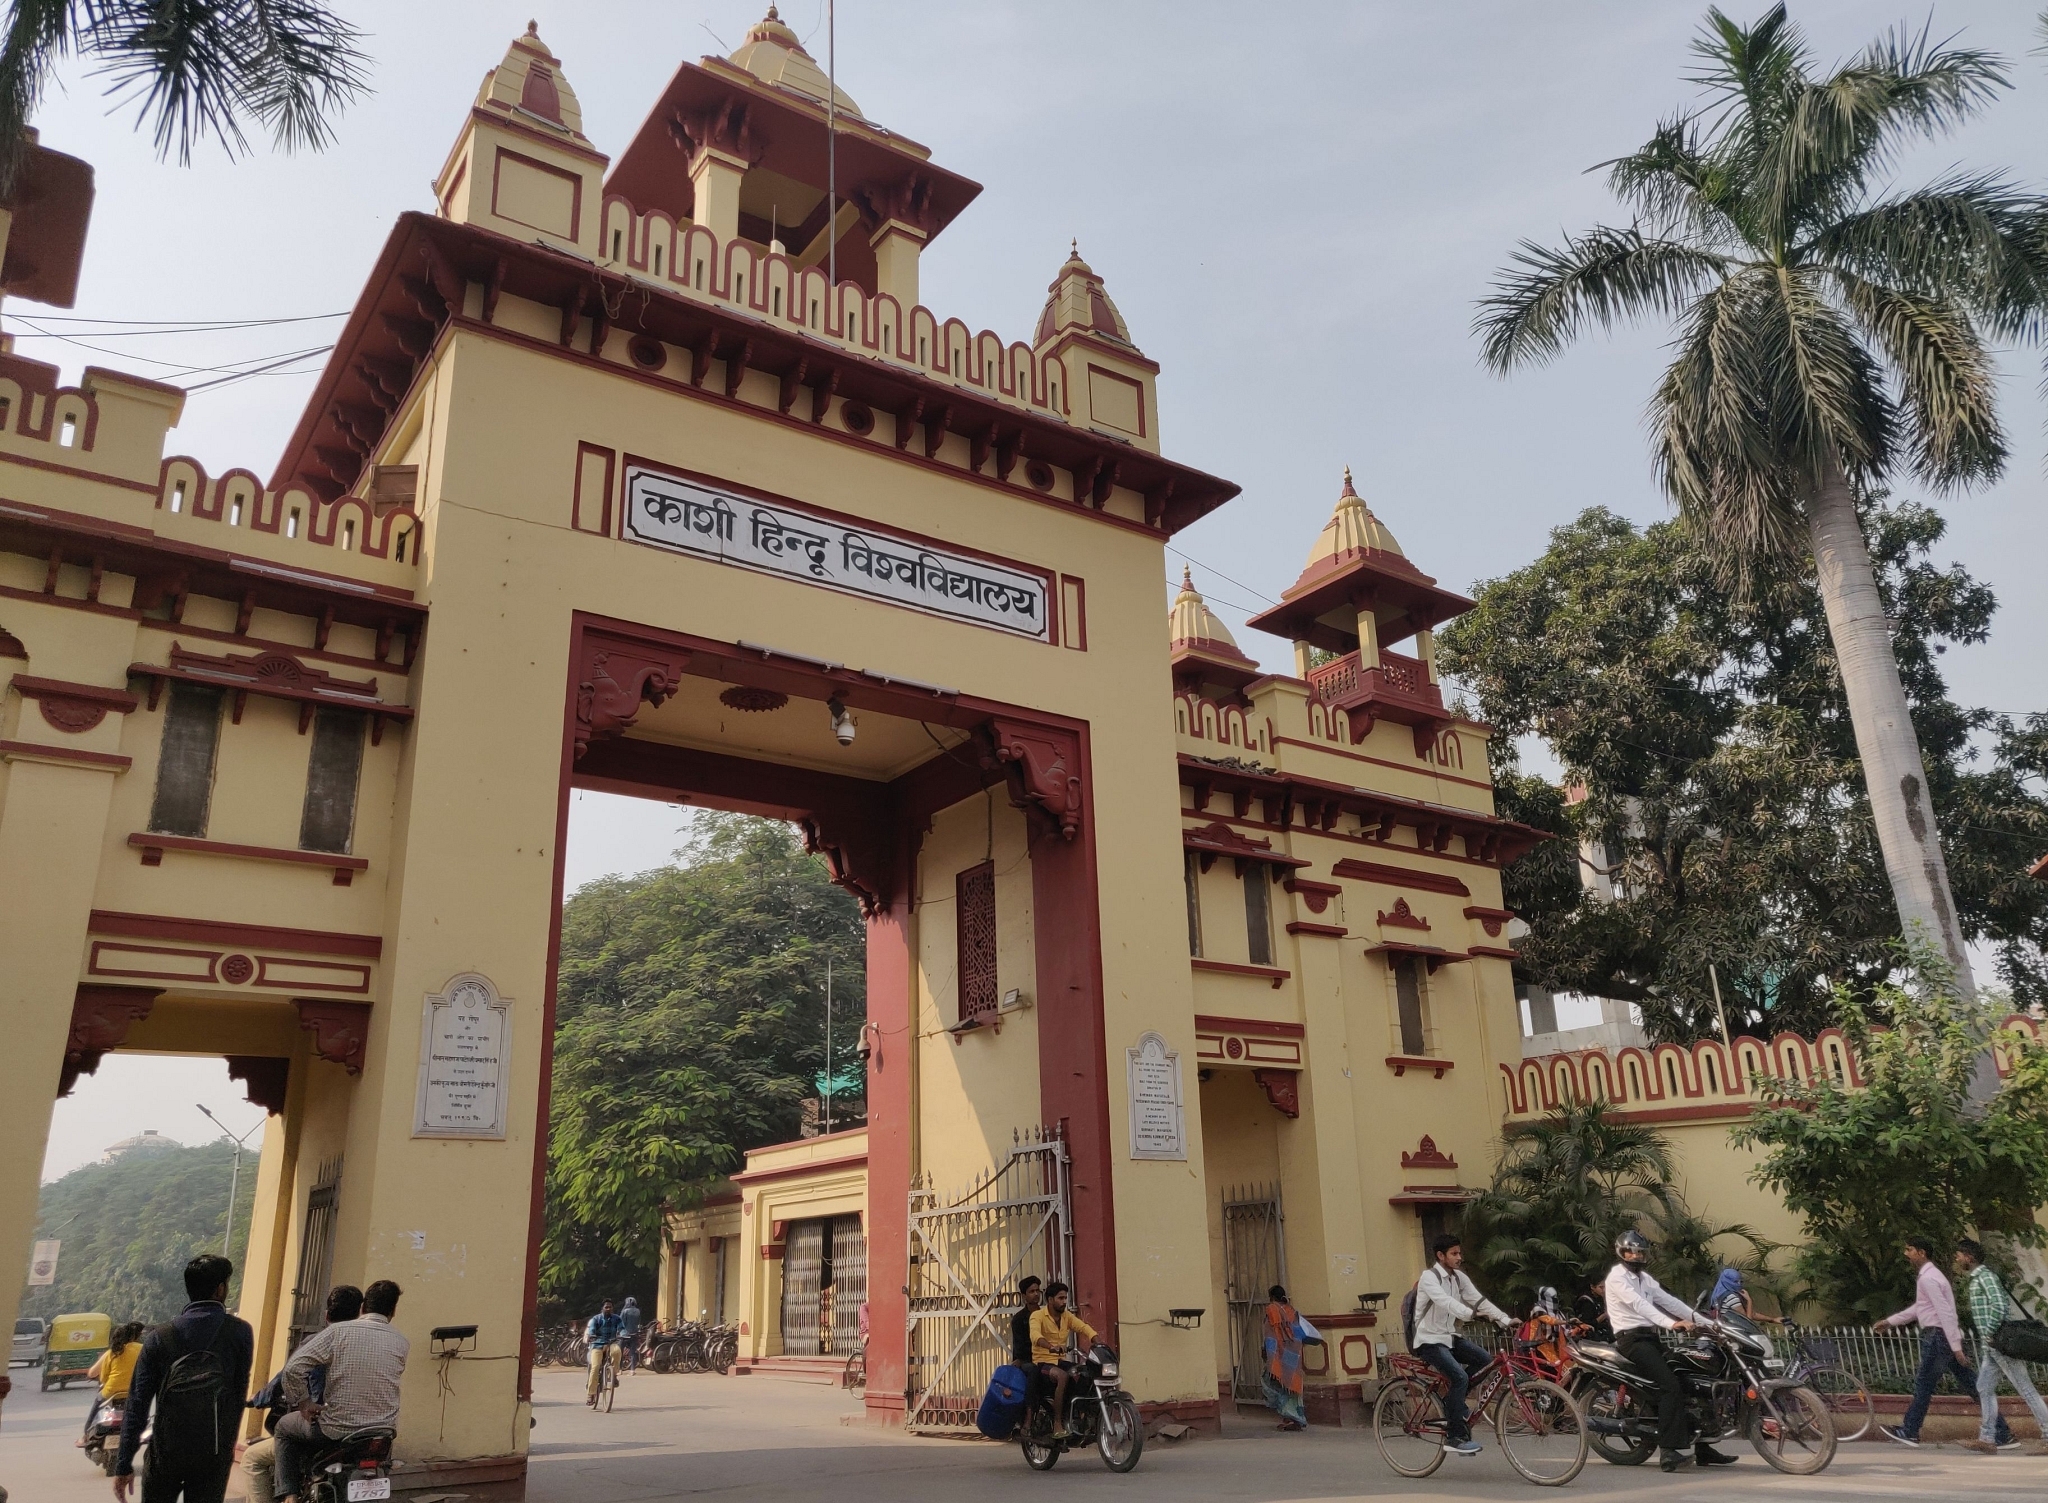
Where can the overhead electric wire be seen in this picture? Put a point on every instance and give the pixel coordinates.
(177, 325)
(263, 370)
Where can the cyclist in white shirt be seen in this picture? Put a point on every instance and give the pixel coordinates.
(1445, 1295)
(1639, 1309)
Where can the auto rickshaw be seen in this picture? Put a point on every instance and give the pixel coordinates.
(76, 1342)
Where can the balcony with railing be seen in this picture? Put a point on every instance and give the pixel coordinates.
(1398, 688)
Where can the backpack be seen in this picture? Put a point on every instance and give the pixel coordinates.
(196, 1415)
(1408, 1312)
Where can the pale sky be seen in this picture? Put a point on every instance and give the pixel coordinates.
(1294, 207)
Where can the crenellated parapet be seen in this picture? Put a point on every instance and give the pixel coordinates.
(1702, 1081)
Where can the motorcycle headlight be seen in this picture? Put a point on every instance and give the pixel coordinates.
(1109, 1369)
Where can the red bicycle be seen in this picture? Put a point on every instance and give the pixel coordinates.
(1539, 1426)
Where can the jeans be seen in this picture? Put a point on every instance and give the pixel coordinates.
(1644, 1350)
(1991, 1363)
(298, 1440)
(1457, 1362)
(1935, 1360)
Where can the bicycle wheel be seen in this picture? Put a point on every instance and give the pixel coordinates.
(1847, 1400)
(608, 1384)
(1408, 1425)
(1793, 1431)
(854, 1379)
(1120, 1438)
(1541, 1431)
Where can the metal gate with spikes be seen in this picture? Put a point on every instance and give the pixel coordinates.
(967, 1252)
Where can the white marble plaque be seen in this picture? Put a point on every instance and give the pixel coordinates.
(465, 1061)
(1158, 1121)
(666, 511)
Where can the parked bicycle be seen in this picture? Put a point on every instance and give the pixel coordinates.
(854, 1376)
(1816, 1364)
(1540, 1428)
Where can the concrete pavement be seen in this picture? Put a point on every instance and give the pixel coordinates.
(674, 1438)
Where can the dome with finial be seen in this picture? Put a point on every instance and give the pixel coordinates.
(529, 84)
(1192, 624)
(1077, 299)
(1352, 528)
(773, 54)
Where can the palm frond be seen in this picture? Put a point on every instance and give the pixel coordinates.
(1600, 278)
(1964, 237)
(1945, 374)
(1676, 188)
(39, 32)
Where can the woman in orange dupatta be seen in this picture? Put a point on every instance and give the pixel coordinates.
(1281, 1381)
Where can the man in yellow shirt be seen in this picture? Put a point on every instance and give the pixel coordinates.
(1051, 1325)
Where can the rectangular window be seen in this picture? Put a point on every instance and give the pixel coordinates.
(184, 767)
(974, 892)
(1193, 866)
(1408, 995)
(332, 773)
(1258, 916)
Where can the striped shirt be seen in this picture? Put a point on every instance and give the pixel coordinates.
(1987, 1301)
(365, 1362)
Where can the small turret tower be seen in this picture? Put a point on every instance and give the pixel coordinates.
(1114, 385)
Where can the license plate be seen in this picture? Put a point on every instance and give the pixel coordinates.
(362, 1489)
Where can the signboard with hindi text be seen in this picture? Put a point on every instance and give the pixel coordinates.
(465, 1049)
(793, 542)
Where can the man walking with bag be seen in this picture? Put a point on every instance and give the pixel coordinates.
(1990, 1309)
(195, 1372)
(1941, 1344)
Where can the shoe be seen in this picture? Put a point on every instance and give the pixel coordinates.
(1706, 1455)
(1894, 1433)
(1059, 1437)
(1981, 1447)
(2010, 1443)
(1674, 1461)
(1466, 1447)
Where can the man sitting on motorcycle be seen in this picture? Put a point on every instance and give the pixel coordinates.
(1051, 1328)
(1639, 1308)
(1030, 1295)
(1444, 1296)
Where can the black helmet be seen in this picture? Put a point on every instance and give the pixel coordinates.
(1633, 1243)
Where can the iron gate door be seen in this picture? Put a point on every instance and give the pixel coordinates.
(316, 1254)
(849, 1281)
(967, 1252)
(1254, 1260)
(803, 1259)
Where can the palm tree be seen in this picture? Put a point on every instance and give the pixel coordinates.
(1830, 334)
(199, 68)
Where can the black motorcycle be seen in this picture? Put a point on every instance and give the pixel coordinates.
(1099, 1413)
(1733, 1388)
(356, 1468)
(103, 1435)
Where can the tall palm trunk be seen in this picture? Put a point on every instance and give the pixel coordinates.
(1892, 769)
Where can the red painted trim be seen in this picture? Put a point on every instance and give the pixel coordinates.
(1492, 952)
(143, 841)
(1401, 1064)
(1423, 1198)
(95, 476)
(604, 508)
(1402, 876)
(211, 957)
(1078, 638)
(1334, 931)
(1249, 1027)
(300, 941)
(519, 128)
(10, 750)
(1137, 390)
(265, 644)
(51, 688)
(361, 973)
(1227, 967)
(794, 1171)
(575, 180)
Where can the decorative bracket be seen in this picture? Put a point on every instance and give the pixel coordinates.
(614, 681)
(340, 1030)
(1401, 916)
(100, 1019)
(1282, 1088)
(71, 708)
(263, 1078)
(1044, 769)
(1428, 1156)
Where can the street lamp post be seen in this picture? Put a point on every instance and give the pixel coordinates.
(227, 1240)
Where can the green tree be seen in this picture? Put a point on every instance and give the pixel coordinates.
(1909, 1154)
(1711, 740)
(130, 1227)
(1832, 334)
(197, 68)
(690, 1023)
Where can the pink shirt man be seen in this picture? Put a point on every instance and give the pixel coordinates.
(1933, 1307)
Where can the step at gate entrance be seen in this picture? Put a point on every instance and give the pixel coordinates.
(967, 1252)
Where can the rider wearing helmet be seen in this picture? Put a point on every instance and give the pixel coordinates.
(1639, 1308)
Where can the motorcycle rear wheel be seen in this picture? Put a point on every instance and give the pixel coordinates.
(1793, 1431)
(1607, 1401)
(1040, 1455)
(1120, 1437)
